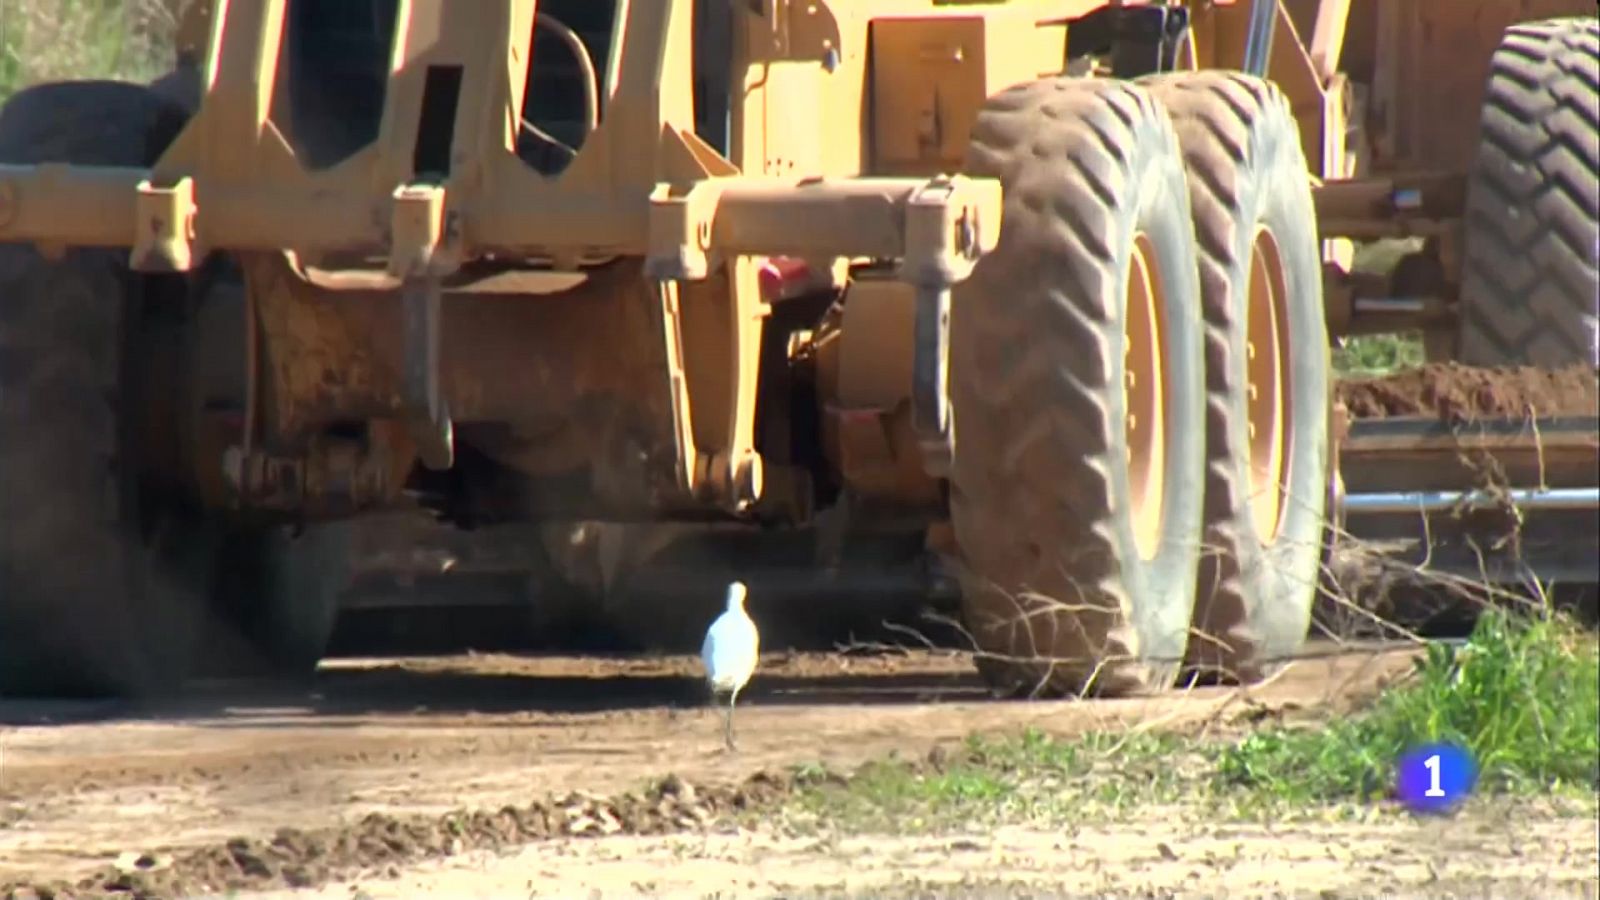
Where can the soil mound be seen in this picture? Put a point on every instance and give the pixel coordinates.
(1460, 394)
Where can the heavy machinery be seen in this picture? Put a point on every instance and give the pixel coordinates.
(1041, 290)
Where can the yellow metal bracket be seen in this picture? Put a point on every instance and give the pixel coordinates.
(937, 228)
(418, 241)
(681, 218)
(421, 245)
(950, 223)
(165, 238)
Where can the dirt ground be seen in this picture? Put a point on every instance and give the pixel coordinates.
(1457, 393)
(502, 775)
(1488, 854)
(345, 786)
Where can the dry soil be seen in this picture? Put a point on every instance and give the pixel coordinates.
(1456, 393)
(500, 776)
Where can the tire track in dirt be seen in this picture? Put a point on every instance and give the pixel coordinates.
(423, 738)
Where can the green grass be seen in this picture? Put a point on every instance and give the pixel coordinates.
(1522, 694)
(1023, 778)
(1377, 354)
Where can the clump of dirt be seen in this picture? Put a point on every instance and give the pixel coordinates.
(1459, 394)
(295, 858)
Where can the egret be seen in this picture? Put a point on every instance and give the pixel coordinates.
(730, 651)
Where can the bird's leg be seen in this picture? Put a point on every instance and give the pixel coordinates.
(727, 723)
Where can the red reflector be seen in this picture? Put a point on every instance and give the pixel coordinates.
(784, 278)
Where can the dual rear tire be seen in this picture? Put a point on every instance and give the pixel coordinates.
(1139, 384)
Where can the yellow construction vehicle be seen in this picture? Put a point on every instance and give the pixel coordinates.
(1042, 289)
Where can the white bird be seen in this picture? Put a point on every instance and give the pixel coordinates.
(730, 652)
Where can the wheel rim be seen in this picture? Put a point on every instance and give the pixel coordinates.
(1266, 349)
(1144, 381)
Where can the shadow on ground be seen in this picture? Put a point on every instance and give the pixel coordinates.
(503, 684)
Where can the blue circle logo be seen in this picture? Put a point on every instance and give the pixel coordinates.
(1435, 777)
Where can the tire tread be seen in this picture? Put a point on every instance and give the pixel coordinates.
(1533, 215)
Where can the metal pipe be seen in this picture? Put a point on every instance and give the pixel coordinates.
(1436, 501)
(843, 217)
(930, 367)
(1390, 305)
(79, 206)
(1258, 36)
(586, 70)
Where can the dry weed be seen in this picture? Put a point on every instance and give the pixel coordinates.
(53, 40)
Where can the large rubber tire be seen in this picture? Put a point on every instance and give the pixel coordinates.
(1531, 279)
(279, 592)
(1248, 182)
(100, 583)
(282, 588)
(1056, 594)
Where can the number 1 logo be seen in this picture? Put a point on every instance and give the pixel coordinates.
(1433, 790)
(1435, 777)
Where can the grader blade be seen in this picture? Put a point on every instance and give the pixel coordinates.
(1508, 502)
